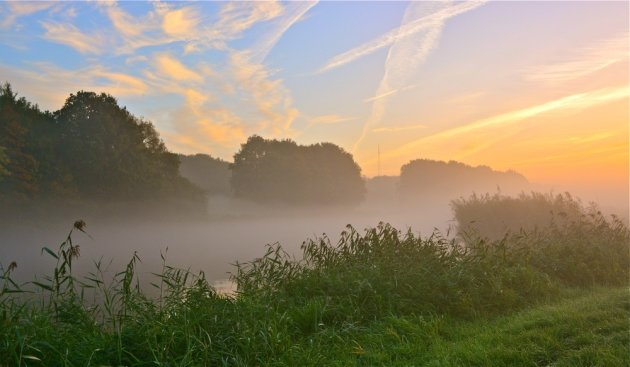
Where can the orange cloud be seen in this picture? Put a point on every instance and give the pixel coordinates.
(70, 35)
(579, 101)
(174, 69)
(180, 22)
(17, 9)
(271, 98)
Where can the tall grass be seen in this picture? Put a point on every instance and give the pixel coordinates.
(292, 310)
(557, 235)
(492, 216)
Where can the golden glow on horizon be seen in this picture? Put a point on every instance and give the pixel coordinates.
(578, 139)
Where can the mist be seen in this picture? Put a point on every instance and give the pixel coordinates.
(231, 231)
(228, 231)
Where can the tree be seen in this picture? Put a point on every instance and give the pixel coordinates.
(282, 171)
(210, 174)
(4, 162)
(423, 178)
(113, 153)
(91, 149)
(20, 166)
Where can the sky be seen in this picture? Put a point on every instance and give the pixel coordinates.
(538, 87)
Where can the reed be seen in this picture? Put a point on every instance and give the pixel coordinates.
(332, 303)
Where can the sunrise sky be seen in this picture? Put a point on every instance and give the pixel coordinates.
(538, 87)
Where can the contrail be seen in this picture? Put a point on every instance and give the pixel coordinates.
(579, 101)
(297, 11)
(383, 95)
(406, 53)
(404, 31)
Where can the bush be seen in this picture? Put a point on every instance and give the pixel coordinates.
(386, 272)
(555, 234)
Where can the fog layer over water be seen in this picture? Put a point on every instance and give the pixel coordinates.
(233, 231)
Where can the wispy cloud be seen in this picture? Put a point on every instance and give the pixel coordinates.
(293, 12)
(407, 29)
(174, 69)
(578, 101)
(270, 96)
(170, 23)
(69, 35)
(607, 151)
(205, 128)
(233, 19)
(398, 128)
(119, 83)
(203, 124)
(388, 93)
(180, 22)
(16, 9)
(330, 119)
(417, 36)
(586, 61)
(49, 85)
(590, 138)
(126, 24)
(380, 96)
(207, 121)
(164, 24)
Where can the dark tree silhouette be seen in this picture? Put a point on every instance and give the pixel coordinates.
(210, 174)
(282, 171)
(428, 179)
(18, 119)
(4, 162)
(115, 152)
(90, 149)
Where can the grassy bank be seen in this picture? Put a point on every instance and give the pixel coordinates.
(556, 295)
(581, 328)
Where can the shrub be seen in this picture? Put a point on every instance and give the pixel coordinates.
(557, 235)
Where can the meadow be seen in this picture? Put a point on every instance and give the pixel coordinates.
(544, 293)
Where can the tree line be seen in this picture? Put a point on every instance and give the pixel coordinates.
(91, 148)
(94, 149)
(424, 179)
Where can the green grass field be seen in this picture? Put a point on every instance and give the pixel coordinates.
(583, 328)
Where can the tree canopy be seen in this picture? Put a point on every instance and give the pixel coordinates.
(89, 149)
(427, 178)
(283, 171)
(210, 174)
(4, 161)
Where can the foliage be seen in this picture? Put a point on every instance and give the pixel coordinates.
(426, 179)
(4, 161)
(384, 297)
(282, 171)
(556, 235)
(90, 149)
(385, 271)
(492, 216)
(20, 122)
(208, 173)
(584, 328)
